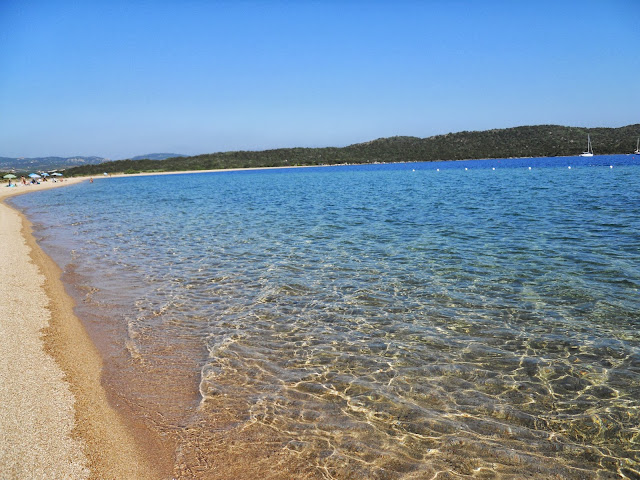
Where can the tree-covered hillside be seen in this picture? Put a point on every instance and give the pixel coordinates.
(531, 141)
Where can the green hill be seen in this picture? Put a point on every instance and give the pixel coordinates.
(530, 141)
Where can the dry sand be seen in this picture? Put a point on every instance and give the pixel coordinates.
(55, 420)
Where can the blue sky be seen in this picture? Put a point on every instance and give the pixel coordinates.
(119, 79)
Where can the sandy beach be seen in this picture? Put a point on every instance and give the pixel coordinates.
(56, 421)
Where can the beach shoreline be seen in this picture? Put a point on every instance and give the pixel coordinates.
(215, 170)
(57, 421)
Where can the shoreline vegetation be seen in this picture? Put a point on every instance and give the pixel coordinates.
(517, 142)
(57, 421)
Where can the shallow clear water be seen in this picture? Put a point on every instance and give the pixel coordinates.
(385, 321)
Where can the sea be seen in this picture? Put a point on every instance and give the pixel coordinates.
(449, 320)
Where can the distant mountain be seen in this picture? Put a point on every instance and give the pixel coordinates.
(157, 156)
(527, 141)
(58, 163)
(46, 163)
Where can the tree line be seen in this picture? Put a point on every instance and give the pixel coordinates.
(528, 141)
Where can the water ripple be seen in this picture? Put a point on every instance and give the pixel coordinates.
(371, 322)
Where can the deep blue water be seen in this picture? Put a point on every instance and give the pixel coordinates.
(478, 318)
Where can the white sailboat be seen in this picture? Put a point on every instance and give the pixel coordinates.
(589, 152)
(637, 152)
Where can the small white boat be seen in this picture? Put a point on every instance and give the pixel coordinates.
(589, 152)
(637, 152)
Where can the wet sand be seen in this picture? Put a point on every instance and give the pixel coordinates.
(56, 420)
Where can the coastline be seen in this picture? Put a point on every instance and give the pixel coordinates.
(221, 449)
(221, 170)
(57, 421)
(215, 170)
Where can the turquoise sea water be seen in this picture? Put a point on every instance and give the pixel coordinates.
(471, 319)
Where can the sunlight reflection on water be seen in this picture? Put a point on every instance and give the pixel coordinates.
(371, 322)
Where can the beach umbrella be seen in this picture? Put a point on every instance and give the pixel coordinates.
(45, 174)
(56, 174)
(9, 175)
(34, 175)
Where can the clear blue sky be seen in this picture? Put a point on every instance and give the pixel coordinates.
(123, 78)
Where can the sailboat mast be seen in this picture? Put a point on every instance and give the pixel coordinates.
(589, 152)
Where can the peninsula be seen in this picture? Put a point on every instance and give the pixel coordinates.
(529, 141)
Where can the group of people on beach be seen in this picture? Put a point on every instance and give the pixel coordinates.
(32, 181)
